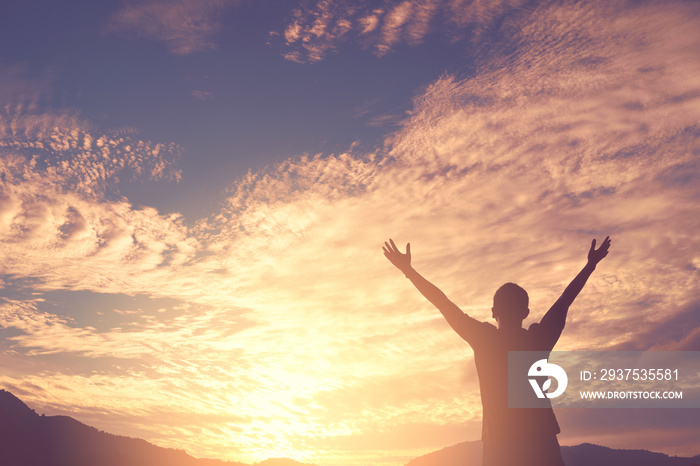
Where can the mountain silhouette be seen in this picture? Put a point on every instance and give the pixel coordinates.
(30, 439)
(586, 454)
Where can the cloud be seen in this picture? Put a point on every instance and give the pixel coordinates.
(61, 210)
(202, 95)
(18, 92)
(679, 333)
(184, 26)
(382, 26)
(291, 326)
(503, 176)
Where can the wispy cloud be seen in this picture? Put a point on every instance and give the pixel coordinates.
(184, 26)
(61, 210)
(382, 26)
(293, 330)
(202, 95)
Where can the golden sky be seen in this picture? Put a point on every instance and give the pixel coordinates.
(274, 326)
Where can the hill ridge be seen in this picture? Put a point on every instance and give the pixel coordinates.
(585, 454)
(31, 439)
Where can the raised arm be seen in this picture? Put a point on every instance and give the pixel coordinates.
(454, 315)
(555, 318)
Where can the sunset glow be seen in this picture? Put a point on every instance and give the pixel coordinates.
(194, 196)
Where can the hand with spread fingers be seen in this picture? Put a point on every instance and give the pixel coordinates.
(400, 260)
(597, 255)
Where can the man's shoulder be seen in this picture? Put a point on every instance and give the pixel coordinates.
(543, 336)
(482, 326)
(475, 331)
(538, 328)
(489, 326)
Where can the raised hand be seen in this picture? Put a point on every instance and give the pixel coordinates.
(597, 255)
(400, 260)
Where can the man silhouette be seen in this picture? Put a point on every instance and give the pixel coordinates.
(512, 436)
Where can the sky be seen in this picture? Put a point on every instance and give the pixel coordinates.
(194, 195)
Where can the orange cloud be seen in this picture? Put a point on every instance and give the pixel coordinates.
(293, 329)
(314, 32)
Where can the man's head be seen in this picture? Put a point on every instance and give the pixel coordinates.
(510, 305)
